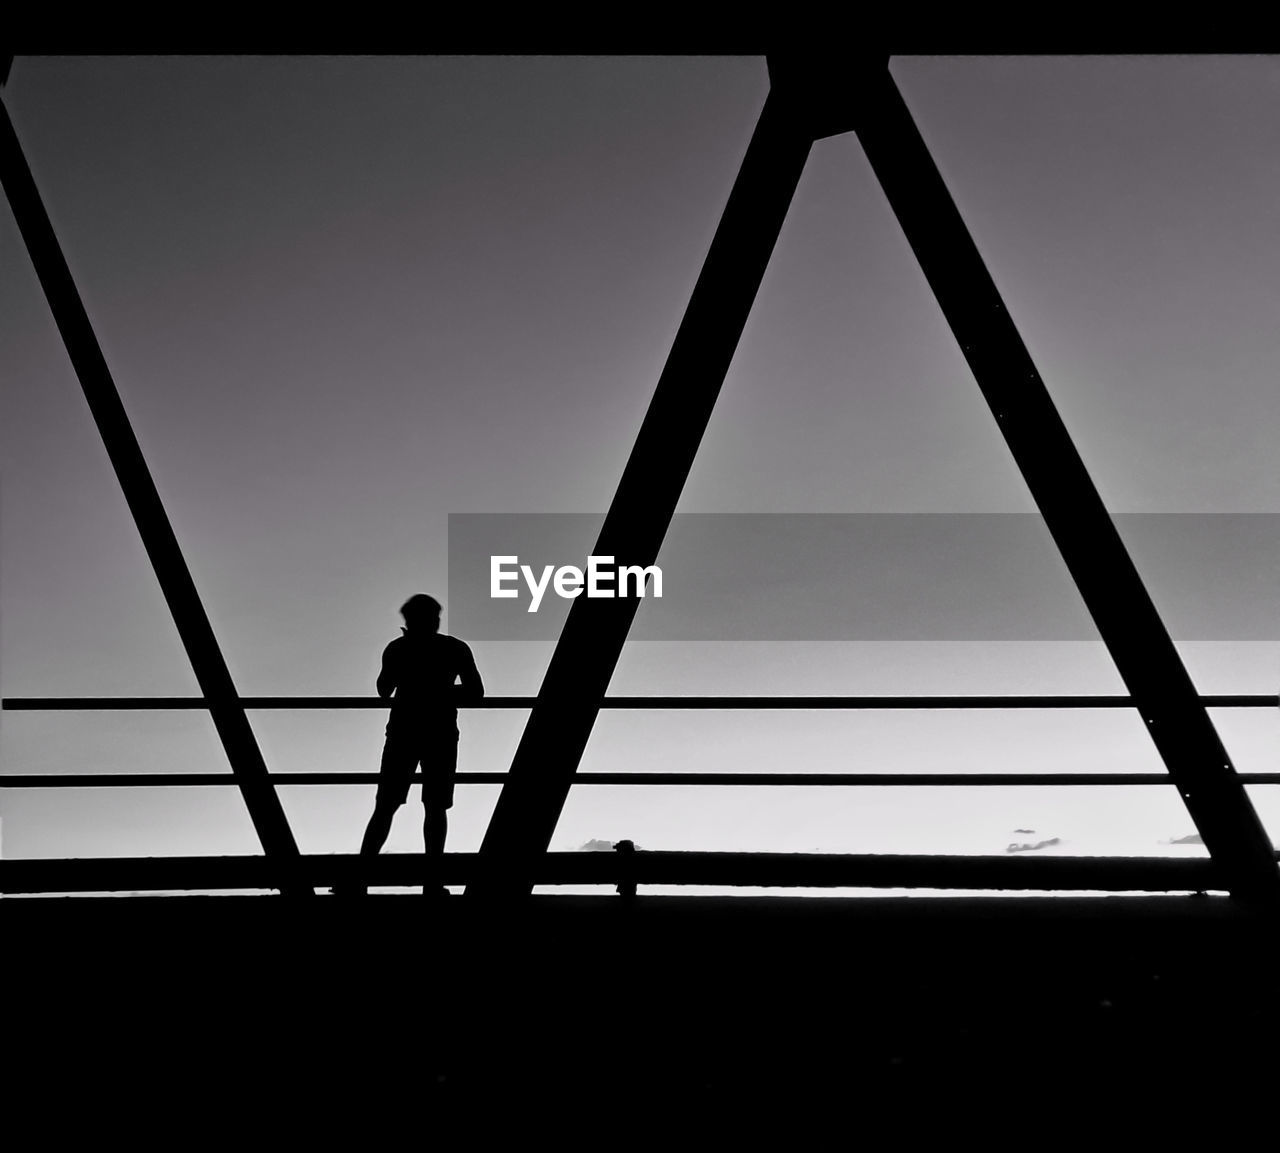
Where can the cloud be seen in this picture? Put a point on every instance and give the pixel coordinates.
(1189, 839)
(1029, 847)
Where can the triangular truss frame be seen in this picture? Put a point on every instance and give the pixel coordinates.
(810, 98)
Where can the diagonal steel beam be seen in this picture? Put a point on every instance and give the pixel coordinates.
(144, 503)
(587, 652)
(1073, 510)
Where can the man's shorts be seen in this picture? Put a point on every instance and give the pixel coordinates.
(436, 752)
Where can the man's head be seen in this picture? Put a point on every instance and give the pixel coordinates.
(421, 613)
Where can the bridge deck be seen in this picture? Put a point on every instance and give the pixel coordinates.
(868, 1005)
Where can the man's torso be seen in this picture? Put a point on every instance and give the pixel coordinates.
(424, 670)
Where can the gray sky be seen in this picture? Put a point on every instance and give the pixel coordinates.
(345, 298)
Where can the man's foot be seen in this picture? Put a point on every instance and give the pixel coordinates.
(434, 893)
(349, 890)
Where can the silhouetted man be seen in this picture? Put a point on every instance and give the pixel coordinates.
(419, 672)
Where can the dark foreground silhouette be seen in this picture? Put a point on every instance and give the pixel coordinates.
(1003, 1022)
(427, 675)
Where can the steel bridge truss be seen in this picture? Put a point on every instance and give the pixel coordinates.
(810, 98)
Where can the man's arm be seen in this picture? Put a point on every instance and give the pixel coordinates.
(472, 687)
(387, 677)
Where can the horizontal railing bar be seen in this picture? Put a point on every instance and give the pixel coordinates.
(1223, 701)
(641, 867)
(785, 780)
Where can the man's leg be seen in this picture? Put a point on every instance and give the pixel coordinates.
(375, 836)
(439, 767)
(393, 791)
(379, 828)
(435, 827)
